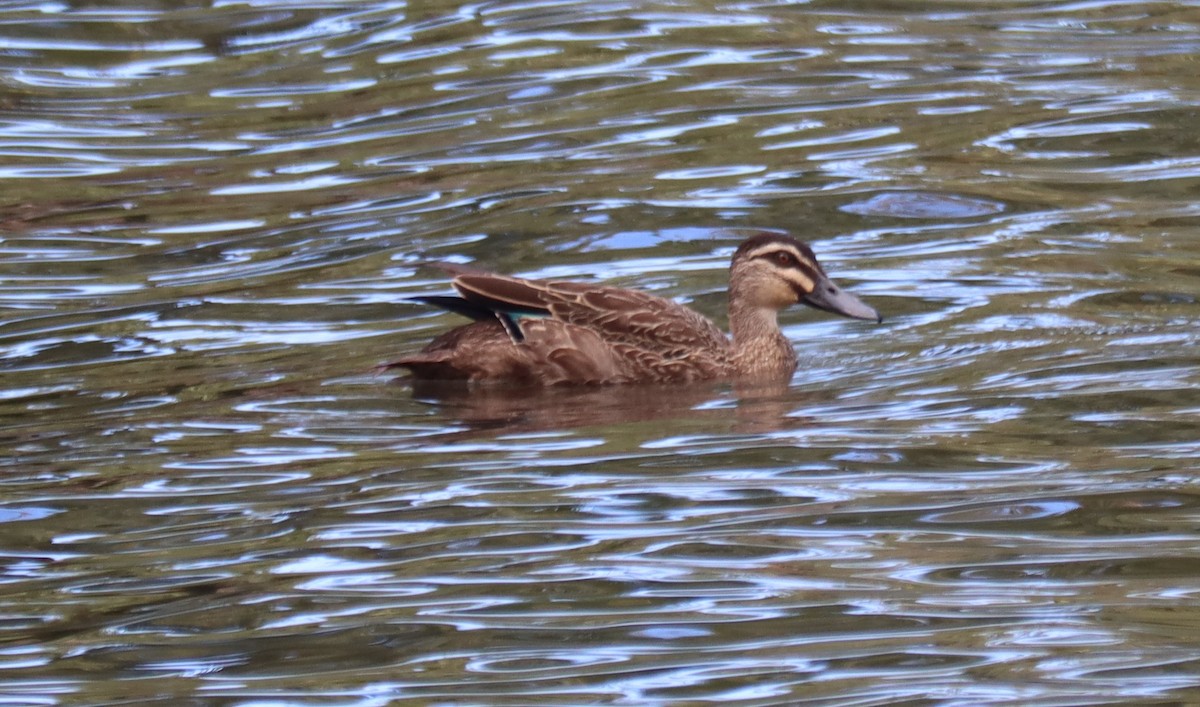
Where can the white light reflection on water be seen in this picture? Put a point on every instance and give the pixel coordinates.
(215, 216)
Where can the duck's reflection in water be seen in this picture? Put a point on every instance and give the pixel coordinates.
(729, 407)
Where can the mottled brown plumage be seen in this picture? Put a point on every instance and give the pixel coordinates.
(541, 332)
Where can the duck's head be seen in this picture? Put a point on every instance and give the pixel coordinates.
(772, 271)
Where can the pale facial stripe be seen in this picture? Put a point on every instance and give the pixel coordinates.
(803, 275)
(799, 280)
(772, 248)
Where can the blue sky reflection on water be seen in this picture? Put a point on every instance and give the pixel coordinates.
(216, 214)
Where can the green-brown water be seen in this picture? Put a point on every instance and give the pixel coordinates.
(213, 213)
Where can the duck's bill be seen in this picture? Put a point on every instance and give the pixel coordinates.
(829, 297)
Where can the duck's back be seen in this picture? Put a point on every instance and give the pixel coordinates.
(549, 333)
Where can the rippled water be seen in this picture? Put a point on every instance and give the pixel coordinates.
(213, 215)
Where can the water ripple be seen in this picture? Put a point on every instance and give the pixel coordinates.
(215, 216)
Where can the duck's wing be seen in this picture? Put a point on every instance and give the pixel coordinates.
(618, 315)
(483, 308)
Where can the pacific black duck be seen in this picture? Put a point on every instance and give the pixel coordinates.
(539, 332)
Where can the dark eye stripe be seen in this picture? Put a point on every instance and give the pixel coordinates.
(798, 261)
(809, 271)
(771, 251)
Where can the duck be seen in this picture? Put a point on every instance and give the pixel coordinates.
(554, 333)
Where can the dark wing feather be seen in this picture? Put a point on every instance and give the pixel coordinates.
(618, 315)
(458, 305)
(501, 293)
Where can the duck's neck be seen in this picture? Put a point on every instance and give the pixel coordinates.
(760, 350)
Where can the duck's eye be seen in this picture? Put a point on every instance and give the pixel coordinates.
(785, 259)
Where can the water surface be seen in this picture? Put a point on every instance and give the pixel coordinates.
(215, 211)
